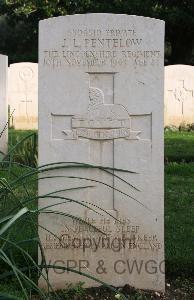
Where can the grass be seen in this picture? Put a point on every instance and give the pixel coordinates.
(22, 148)
(16, 135)
(179, 218)
(179, 200)
(11, 289)
(23, 229)
(179, 203)
(179, 147)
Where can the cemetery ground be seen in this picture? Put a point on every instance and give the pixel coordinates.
(179, 223)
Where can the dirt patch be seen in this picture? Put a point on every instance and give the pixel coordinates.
(179, 289)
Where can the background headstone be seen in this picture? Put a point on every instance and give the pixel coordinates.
(3, 103)
(101, 103)
(23, 95)
(179, 95)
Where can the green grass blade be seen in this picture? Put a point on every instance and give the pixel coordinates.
(18, 215)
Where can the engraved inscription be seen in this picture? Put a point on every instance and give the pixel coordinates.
(97, 47)
(118, 235)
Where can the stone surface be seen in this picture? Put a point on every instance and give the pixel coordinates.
(3, 103)
(23, 95)
(101, 103)
(179, 95)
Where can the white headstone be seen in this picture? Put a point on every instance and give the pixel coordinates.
(101, 103)
(179, 95)
(3, 103)
(23, 95)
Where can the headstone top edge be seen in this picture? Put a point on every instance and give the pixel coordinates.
(2, 55)
(178, 66)
(100, 14)
(23, 62)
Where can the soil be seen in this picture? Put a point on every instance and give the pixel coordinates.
(178, 289)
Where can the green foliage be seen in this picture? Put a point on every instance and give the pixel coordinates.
(72, 291)
(179, 147)
(23, 147)
(179, 218)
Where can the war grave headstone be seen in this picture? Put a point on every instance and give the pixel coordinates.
(3, 103)
(101, 104)
(179, 95)
(23, 95)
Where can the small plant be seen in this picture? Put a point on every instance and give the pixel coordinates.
(72, 291)
(24, 151)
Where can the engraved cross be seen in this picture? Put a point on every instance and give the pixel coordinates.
(181, 93)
